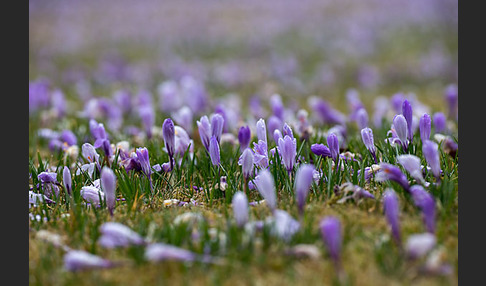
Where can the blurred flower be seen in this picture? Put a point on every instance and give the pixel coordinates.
(451, 98)
(408, 114)
(362, 118)
(411, 163)
(244, 137)
(246, 162)
(392, 212)
(425, 201)
(419, 245)
(214, 151)
(331, 234)
(114, 234)
(391, 172)
(439, 120)
(77, 260)
(283, 225)
(287, 148)
(266, 186)
(66, 179)
(430, 150)
(425, 126)
(303, 181)
(367, 137)
(240, 208)
(108, 184)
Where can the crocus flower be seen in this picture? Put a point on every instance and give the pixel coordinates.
(424, 127)
(88, 151)
(326, 113)
(77, 260)
(411, 163)
(240, 208)
(108, 184)
(333, 143)
(392, 212)
(147, 114)
(397, 101)
(143, 158)
(451, 98)
(287, 131)
(287, 148)
(168, 132)
(47, 177)
(331, 234)
(367, 137)
(35, 198)
(303, 181)
(266, 186)
(283, 225)
(401, 128)
(320, 150)
(439, 120)
(114, 234)
(92, 194)
(419, 245)
(277, 135)
(183, 117)
(430, 150)
(156, 252)
(204, 128)
(214, 151)
(217, 123)
(425, 201)
(274, 123)
(182, 142)
(362, 118)
(408, 114)
(244, 137)
(261, 130)
(246, 162)
(260, 155)
(66, 179)
(391, 172)
(277, 106)
(49, 183)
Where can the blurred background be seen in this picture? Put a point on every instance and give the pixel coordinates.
(295, 48)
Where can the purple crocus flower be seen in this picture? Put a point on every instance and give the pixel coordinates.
(408, 114)
(244, 137)
(68, 137)
(47, 177)
(277, 106)
(49, 183)
(274, 123)
(283, 225)
(411, 163)
(114, 234)
(362, 118)
(108, 184)
(392, 212)
(156, 252)
(287, 131)
(439, 120)
(430, 150)
(266, 186)
(143, 158)
(214, 151)
(419, 245)
(287, 148)
(331, 234)
(261, 130)
(367, 137)
(391, 172)
(424, 127)
(147, 115)
(183, 117)
(246, 162)
(66, 179)
(425, 201)
(326, 113)
(277, 135)
(303, 181)
(89, 153)
(204, 128)
(397, 101)
(320, 150)
(217, 123)
(77, 260)
(401, 128)
(168, 132)
(260, 155)
(240, 208)
(333, 143)
(451, 98)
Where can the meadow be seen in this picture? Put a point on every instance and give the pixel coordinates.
(243, 143)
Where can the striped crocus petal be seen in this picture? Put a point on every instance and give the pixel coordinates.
(425, 125)
(214, 151)
(114, 234)
(77, 260)
(47, 177)
(392, 212)
(240, 208)
(411, 163)
(320, 150)
(246, 162)
(66, 179)
(287, 130)
(204, 128)
(303, 181)
(277, 135)
(143, 158)
(430, 150)
(333, 143)
(331, 234)
(261, 130)
(391, 172)
(168, 133)
(266, 186)
(401, 129)
(408, 114)
(217, 123)
(287, 148)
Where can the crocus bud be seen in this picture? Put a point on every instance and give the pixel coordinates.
(393, 173)
(217, 123)
(411, 163)
(439, 120)
(288, 150)
(392, 212)
(430, 150)
(287, 131)
(401, 129)
(303, 181)
(320, 150)
(114, 234)
(408, 114)
(89, 153)
(266, 187)
(244, 137)
(367, 137)
(419, 245)
(333, 143)
(214, 151)
(261, 130)
(168, 133)
(108, 184)
(143, 158)
(424, 127)
(425, 201)
(362, 118)
(274, 123)
(66, 179)
(246, 162)
(277, 135)
(77, 260)
(204, 128)
(331, 234)
(240, 208)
